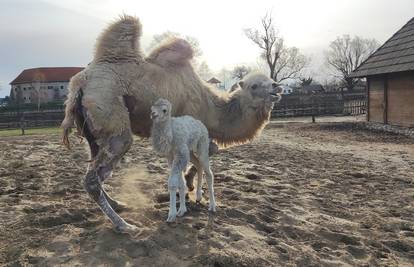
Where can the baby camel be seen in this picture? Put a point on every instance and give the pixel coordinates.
(181, 139)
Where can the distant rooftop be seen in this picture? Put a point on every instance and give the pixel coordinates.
(214, 80)
(58, 74)
(395, 55)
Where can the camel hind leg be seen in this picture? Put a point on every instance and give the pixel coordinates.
(106, 159)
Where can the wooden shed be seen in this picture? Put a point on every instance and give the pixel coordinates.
(390, 79)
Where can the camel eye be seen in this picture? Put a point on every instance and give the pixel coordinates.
(164, 110)
(254, 86)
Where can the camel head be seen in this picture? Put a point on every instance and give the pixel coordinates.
(161, 110)
(260, 87)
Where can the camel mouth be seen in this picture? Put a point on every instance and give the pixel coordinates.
(153, 116)
(275, 97)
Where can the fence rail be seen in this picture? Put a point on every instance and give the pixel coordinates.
(323, 104)
(15, 120)
(290, 106)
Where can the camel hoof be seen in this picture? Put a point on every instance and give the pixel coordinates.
(128, 229)
(181, 212)
(190, 188)
(212, 209)
(171, 219)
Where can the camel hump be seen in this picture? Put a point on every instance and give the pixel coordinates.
(172, 53)
(119, 42)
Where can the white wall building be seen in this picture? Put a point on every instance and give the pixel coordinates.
(42, 84)
(286, 90)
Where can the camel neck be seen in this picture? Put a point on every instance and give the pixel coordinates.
(161, 135)
(239, 120)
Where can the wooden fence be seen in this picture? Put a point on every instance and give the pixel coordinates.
(320, 104)
(33, 119)
(290, 106)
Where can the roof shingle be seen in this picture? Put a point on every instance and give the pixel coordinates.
(58, 74)
(395, 55)
(214, 80)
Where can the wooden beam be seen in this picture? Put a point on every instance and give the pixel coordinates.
(386, 99)
(367, 96)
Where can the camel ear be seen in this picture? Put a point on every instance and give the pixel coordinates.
(241, 83)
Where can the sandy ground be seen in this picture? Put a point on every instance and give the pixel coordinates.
(300, 195)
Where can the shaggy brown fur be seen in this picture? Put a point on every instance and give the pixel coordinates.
(120, 86)
(112, 98)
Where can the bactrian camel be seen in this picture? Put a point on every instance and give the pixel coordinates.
(111, 99)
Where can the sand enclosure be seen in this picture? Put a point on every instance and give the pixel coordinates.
(301, 194)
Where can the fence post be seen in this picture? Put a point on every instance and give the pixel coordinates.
(313, 107)
(22, 124)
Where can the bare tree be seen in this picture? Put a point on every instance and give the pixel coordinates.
(1, 87)
(306, 81)
(283, 62)
(240, 71)
(39, 77)
(204, 70)
(225, 76)
(345, 54)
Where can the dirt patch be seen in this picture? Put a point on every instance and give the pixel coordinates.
(301, 194)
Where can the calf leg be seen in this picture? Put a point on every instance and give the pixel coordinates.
(176, 181)
(199, 191)
(204, 160)
(172, 188)
(190, 174)
(181, 188)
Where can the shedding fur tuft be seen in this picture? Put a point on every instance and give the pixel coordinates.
(76, 83)
(171, 53)
(120, 41)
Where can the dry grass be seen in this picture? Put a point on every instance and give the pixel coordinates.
(36, 131)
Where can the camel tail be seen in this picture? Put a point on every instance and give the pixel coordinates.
(119, 42)
(75, 85)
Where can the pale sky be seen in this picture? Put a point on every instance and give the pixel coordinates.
(62, 33)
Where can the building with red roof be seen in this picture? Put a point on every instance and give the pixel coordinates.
(40, 85)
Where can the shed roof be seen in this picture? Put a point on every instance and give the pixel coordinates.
(395, 55)
(214, 80)
(58, 74)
